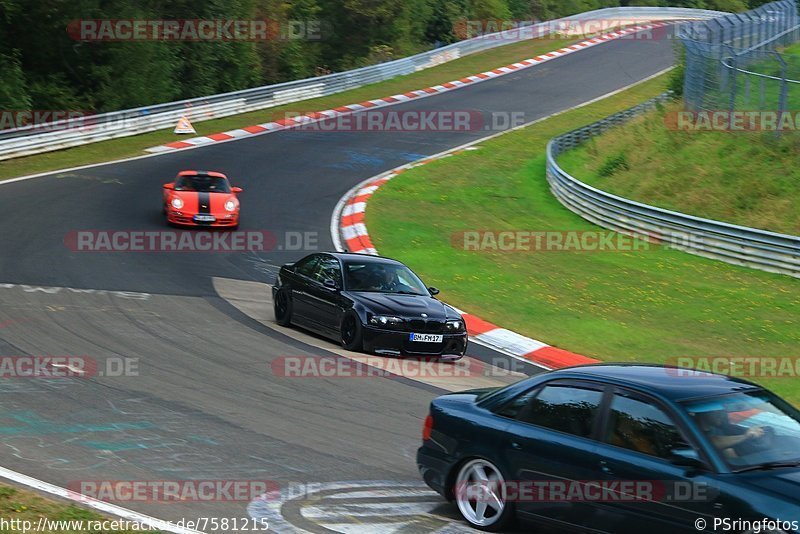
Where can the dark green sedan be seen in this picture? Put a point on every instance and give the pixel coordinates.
(620, 448)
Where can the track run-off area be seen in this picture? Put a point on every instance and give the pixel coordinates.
(203, 397)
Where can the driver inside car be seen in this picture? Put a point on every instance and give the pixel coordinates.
(725, 436)
(383, 279)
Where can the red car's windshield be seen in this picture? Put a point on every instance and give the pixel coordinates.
(202, 184)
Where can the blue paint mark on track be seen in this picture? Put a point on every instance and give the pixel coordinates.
(375, 159)
(34, 425)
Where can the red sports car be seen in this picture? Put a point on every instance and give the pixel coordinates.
(202, 198)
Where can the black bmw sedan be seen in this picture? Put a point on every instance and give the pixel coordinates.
(368, 303)
(618, 448)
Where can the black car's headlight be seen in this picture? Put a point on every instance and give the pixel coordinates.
(456, 325)
(385, 321)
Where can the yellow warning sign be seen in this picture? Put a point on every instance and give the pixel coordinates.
(184, 126)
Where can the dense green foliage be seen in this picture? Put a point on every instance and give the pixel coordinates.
(43, 67)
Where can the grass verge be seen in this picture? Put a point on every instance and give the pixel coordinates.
(647, 305)
(133, 146)
(750, 179)
(20, 506)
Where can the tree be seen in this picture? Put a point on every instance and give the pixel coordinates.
(13, 91)
(488, 9)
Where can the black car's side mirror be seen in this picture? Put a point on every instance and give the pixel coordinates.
(433, 291)
(330, 284)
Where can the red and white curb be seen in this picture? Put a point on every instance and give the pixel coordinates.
(349, 232)
(316, 116)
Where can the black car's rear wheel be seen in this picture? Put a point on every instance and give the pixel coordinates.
(481, 497)
(283, 308)
(351, 333)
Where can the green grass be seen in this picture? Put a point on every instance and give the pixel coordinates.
(752, 98)
(754, 92)
(616, 306)
(750, 179)
(23, 505)
(772, 67)
(134, 145)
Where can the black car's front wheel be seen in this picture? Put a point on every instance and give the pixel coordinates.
(351, 333)
(480, 494)
(283, 308)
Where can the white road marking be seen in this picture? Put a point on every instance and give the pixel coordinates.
(50, 290)
(100, 506)
(358, 507)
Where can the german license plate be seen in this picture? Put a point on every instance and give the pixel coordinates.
(426, 338)
(204, 218)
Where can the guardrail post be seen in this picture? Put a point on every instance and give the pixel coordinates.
(741, 25)
(734, 69)
(721, 38)
(784, 88)
(746, 91)
(755, 30)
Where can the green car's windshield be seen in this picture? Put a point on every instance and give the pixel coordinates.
(750, 430)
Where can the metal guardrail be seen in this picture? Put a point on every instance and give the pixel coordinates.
(26, 141)
(739, 245)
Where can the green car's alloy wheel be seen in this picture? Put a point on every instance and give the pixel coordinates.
(480, 494)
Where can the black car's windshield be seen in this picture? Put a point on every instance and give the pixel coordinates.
(383, 278)
(749, 429)
(202, 184)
